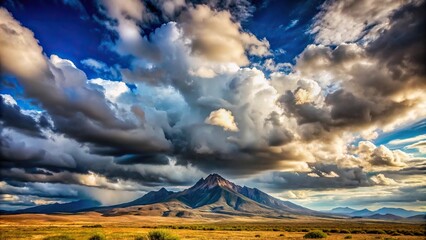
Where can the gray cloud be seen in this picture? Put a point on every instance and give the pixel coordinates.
(12, 116)
(321, 177)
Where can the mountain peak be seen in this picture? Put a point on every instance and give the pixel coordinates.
(212, 181)
(214, 177)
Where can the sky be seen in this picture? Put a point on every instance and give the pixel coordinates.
(317, 102)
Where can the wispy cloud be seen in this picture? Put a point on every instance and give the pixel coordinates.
(407, 140)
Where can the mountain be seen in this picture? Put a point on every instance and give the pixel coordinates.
(213, 194)
(362, 213)
(149, 198)
(70, 207)
(342, 210)
(400, 212)
(265, 199)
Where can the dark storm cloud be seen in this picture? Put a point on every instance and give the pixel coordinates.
(402, 47)
(305, 113)
(38, 189)
(12, 116)
(321, 177)
(249, 162)
(147, 158)
(367, 91)
(350, 110)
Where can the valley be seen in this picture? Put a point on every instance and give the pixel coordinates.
(127, 227)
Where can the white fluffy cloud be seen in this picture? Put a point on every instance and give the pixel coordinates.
(222, 118)
(381, 156)
(111, 89)
(216, 37)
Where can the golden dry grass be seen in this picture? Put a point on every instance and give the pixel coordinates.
(82, 226)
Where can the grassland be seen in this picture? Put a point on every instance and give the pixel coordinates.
(83, 226)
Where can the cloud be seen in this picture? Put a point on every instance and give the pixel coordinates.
(420, 146)
(216, 37)
(380, 179)
(111, 89)
(348, 21)
(381, 156)
(222, 118)
(322, 177)
(13, 116)
(95, 64)
(101, 68)
(292, 24)
(20, 53)
(407, 140)
(241, 10)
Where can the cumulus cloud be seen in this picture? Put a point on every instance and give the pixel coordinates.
(222, 118)
(111, 89)
(381, 156)
(216, 37)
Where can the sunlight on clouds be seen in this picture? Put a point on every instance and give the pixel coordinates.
(216, 37)
(381, 179)
(419, 146)
(112, 89)
(407, 140)
(222, 118)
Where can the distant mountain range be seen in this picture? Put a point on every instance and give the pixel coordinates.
(217, 197)
(382, 213)
(70, 207)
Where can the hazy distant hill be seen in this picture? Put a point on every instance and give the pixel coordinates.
(361, 213)
(342, 210)
(61, 207)
(399, 212)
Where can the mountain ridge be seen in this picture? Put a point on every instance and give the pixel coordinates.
(69, 207)
(400, 212)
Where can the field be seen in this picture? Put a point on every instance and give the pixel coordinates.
(83, 226)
